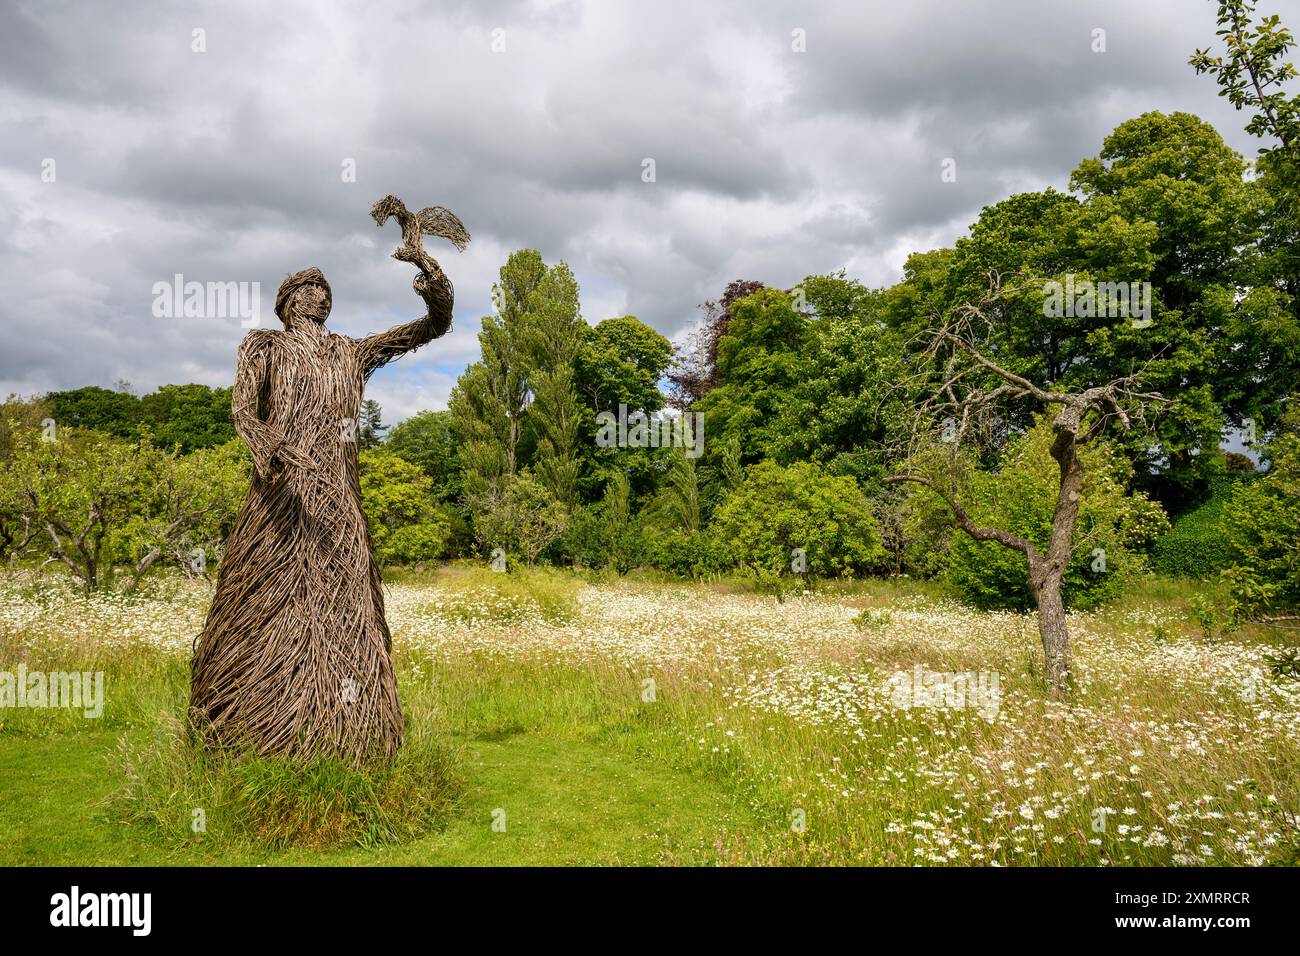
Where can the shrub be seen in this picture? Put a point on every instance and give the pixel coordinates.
(1262, 528)
(1196, 546)
(928, 533)
(688, 554)
(606, 535)
(406, 525)
(586, 541)
(1238, 464)
(519, 515)
(413, 543)
(97, 500)
(460, 536)
(426, 441)
(778, 510)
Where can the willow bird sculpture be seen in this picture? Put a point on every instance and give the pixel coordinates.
(295, 657)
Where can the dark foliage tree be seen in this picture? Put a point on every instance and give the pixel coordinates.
(115, 413)
(695, 372)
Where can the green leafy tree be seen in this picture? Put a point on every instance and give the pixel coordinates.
(187, 417)
(371, 428)
(757, 368)
(1175, 172)
(406, 524)
(845, 400)
(1254, 76)
(521, 517)
(1262, 526)
(489, 401)
(18, 417)
(114, 413)
(621, 362)
(680, 504)
(586, 540)
(1166, 201)
(88, 500)
(554, 335)
(797, 522)
(80, 490)
(427, 440)
(924, 292)
(673, 533)
(607, 534)
(188, 505)
(485, 425)
(519, 405)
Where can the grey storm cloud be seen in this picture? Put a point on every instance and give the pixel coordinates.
(531, 120)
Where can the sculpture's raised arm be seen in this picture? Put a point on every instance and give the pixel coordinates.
(431, 283)
(382, 347)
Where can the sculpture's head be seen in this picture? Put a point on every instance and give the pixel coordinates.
(304, 296)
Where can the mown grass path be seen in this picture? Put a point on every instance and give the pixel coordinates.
(565, 801)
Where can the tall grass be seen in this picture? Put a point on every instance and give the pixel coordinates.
(190, 795)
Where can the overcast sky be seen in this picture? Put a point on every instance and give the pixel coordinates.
(228, 164)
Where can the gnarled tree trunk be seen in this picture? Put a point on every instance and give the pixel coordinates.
(1045, 585)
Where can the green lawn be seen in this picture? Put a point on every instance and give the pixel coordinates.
(565, 801)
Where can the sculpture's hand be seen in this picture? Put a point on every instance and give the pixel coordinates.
(431, 283)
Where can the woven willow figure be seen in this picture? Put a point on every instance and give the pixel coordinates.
(295, 657)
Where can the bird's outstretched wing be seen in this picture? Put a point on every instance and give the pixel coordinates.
(439, 221)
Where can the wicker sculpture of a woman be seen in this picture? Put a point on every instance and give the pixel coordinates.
(295, 656)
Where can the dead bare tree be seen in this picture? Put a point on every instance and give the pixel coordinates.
(969, 409)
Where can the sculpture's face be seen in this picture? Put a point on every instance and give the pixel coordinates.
(311, 302)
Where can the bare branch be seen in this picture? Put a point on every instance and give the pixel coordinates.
(964, 520)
